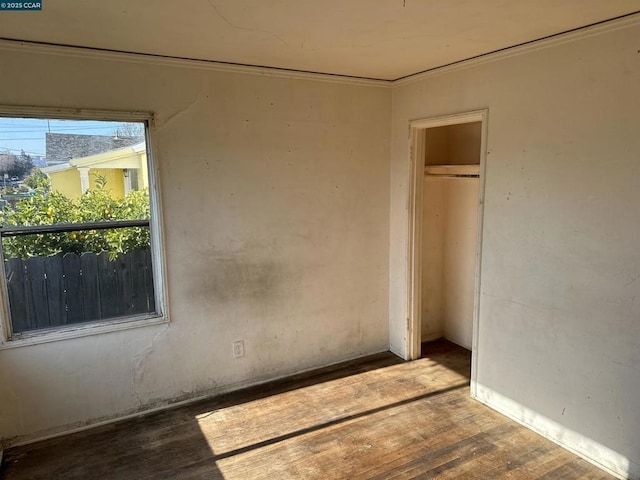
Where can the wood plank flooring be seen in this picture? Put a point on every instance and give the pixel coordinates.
(373, 418)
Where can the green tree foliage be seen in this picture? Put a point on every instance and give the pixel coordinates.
(46, 208)
(38, 181)
(24, 165)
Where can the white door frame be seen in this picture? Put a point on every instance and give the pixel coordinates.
(414, 244)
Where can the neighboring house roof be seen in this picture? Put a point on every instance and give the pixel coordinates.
(62, 147)
(127, 157)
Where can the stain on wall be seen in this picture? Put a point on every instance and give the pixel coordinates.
(241, 275)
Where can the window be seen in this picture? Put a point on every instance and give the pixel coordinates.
(79, 225)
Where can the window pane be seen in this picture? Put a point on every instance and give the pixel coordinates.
(74, 173)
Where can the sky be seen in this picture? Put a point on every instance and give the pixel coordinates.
(28, 134)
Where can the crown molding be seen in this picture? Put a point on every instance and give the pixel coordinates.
(606, 26)
(160, 60)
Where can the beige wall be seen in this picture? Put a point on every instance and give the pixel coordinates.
(275, 196)
(459, 259)
(558, 332)
(433, 222)
(450, 212)
(453, 144)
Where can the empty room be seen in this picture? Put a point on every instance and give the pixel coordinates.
(342, 239)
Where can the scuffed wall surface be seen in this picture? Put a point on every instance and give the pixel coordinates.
(559, 329)
(275, 198)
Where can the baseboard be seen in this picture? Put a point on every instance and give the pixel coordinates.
(457, 342)
(592, 451)
(430, 337)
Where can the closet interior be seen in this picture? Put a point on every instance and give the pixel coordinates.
(449, 231)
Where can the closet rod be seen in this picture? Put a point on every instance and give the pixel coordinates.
(453, 175)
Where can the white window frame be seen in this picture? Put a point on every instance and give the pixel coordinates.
(160, 316)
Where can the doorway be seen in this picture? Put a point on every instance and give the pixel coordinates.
(446, 198)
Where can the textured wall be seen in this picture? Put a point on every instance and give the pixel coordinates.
(559, 330)
(275, 198)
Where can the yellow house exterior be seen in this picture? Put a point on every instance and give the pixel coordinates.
(124, 169)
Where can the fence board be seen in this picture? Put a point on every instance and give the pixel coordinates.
(73, 281)
(90, 290)
(122, 268)
(17, 300)
(108, 288)
(36, 292)
(139, 297)
(130, 291)
(148, 277)
(56, 294)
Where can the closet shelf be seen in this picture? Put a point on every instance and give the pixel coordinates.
(452, 170)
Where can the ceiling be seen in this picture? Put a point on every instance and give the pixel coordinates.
(382, 39)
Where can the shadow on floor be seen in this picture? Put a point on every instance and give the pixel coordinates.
(374, 418)
(449, 355)
(182, 442)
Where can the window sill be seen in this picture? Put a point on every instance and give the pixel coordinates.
(56, 334)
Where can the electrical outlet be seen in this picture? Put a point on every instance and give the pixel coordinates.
(238, 349)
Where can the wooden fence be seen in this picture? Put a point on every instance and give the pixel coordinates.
(66, 289)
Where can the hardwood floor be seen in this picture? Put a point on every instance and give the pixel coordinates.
(374, 418)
